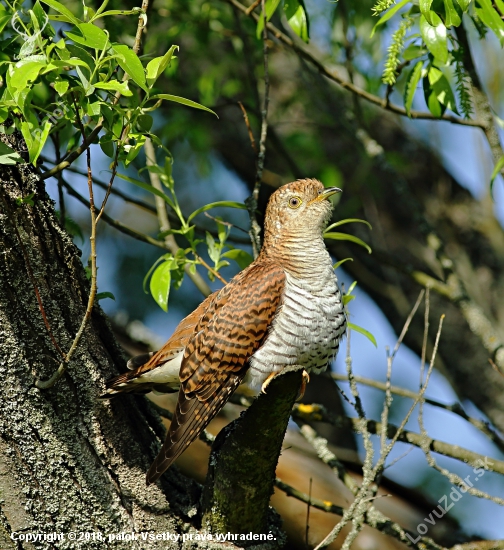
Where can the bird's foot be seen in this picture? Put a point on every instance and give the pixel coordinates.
(302, 389)
(267, 382)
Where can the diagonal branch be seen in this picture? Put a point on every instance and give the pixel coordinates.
(332, 75)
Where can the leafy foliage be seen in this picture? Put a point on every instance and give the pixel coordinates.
(431, 46)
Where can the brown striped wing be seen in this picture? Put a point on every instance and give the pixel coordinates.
(216, 358)
(173, 347)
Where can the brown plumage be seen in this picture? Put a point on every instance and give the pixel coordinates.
(284, 309)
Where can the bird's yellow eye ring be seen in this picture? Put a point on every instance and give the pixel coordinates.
(295, 202)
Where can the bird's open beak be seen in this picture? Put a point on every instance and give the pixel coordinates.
(326, 193)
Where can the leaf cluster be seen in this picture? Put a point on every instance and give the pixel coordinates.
(434, 49)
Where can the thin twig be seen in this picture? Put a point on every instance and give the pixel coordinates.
(390, 360)
(211, 269)
(249, 129)
(222, 222)
(373, 517)
(117, 224)
(407, 323)
(252, 202)
(466, 483)
(455, 408)
(307, 528)
(252, 7)
(164, 222)
(145, 206)
(46, 384)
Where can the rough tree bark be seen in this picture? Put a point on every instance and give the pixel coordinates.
(68, 461)
(237, 491)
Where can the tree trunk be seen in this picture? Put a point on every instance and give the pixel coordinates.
(69, 462)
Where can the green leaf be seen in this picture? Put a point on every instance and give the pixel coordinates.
(61, 87)
(156, 66)
(160, 284)
(147, 187)
(39, 141)
(347, 237)
(337, 264)
(242, 258)
(491, 18)
(270, 7)
(4, 19)
(27, 136)
(88, 88)
(439, 90)
(348, 220)
(434, 37)
(425, 6)
(411, 86)
(102, 295)
(89, 35)
(26, 200)
(107, 145)
(432, 101)
(351, 287)
(81, 54)
(497, 168)
(183, 101)
(145, 122)
(93, 109)
(114, 12)
(347, 298)
(464, 4)
(22, 73)
(227, 204)
(389, 14)
(130, 64)
(363, 331)
(102, 8)
(60, 8)
(213, 250)
(8, 156)
(134, 149)
(297, 18)
(116, 86)
(452, 14)
(412, 52)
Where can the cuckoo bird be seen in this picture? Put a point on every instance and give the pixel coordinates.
(283, 310)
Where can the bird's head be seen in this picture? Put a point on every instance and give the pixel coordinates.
(300, 208)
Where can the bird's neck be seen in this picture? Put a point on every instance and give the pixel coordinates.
(306, 259)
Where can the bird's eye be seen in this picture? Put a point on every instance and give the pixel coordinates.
(295, 202)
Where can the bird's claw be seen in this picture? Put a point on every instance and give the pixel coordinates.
(304, 382)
